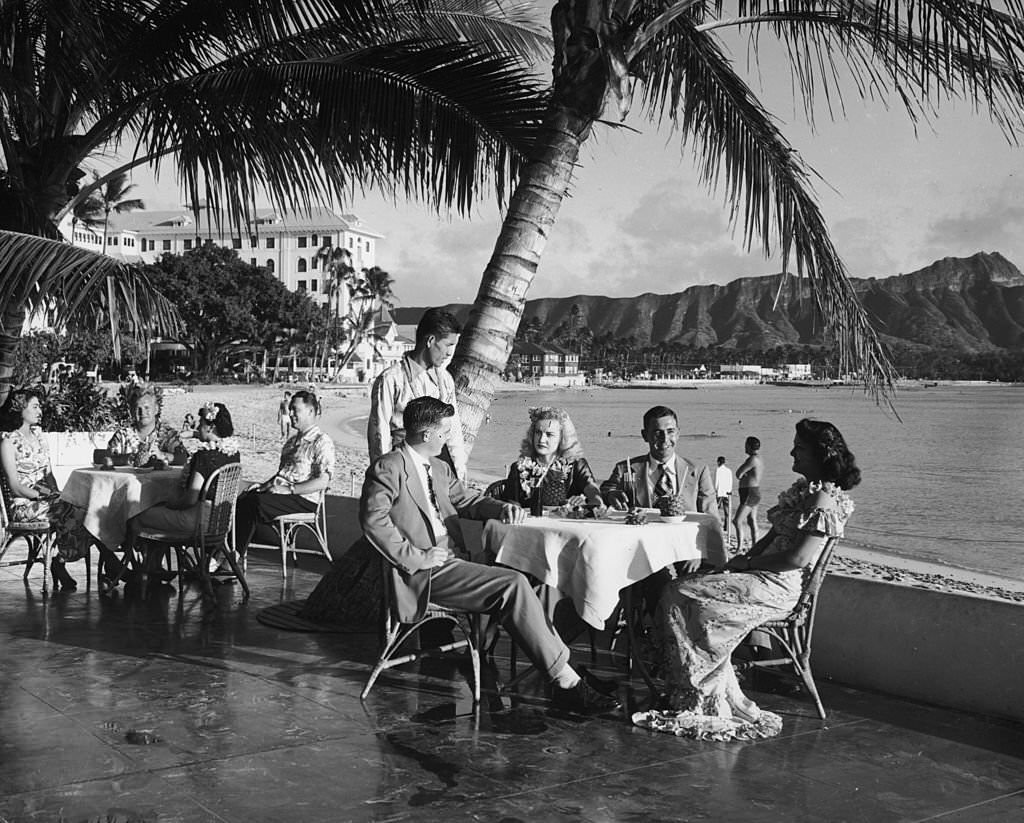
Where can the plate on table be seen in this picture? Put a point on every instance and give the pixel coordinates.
(672, 518)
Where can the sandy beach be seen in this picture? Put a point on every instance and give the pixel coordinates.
(254, 411)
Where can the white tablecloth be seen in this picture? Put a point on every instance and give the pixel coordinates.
(590, 561)
(111, 497)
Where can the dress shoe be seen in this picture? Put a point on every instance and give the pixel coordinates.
(584, 700)
(603, 685)
(61, 577)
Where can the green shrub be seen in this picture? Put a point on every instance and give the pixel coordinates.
(78, 403)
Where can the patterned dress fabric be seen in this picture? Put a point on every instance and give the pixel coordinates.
(33, 465)
(704, 619)
(562, 480)
(163, 438)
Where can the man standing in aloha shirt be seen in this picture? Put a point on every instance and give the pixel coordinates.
(420, 373)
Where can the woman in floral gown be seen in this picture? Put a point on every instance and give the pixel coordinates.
(33, 489)
(704, 618)
(551, 463)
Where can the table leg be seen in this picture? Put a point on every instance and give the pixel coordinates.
(632, 647)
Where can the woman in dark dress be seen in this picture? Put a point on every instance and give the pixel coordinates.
(217, 447)
(551, 463)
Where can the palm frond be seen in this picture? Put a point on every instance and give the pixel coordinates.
(767, 186)
(74, 286)
(923, 53)
(441, 123)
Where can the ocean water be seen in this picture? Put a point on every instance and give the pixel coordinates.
(944, 485)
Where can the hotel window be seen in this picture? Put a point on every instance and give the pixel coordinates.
(302, 265)
(252, 261)
(270, 242)
(313, 241)
(367, 245)
(314, 263)
(254, 241)
(302, 285)
(302, 242)
(166, 245)
(350, 242)
(313, 285)
(188, 243)
(270, 266)
(236, 242)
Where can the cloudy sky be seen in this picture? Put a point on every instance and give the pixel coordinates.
(638, 219)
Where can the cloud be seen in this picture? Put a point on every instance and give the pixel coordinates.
(995, 222)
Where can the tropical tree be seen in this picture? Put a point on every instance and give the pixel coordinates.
(112, 196)
(304, 101)
(667, 55)
(71, 286)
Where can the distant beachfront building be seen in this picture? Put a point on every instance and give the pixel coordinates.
(738, 371)
(287, 245)
(547, 364)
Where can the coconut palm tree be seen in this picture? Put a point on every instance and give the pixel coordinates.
(667, 56)
(303, 101)
(112, 195)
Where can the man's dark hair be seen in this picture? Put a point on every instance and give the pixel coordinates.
(753, 444)
(436, 322)
(658, 412)
(721, 460)
(425, 413)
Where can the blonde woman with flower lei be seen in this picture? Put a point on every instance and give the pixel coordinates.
(217, 447)
(148, 440)
(552, 464)
(703, 618)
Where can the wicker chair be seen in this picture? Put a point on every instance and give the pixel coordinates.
(37, 534)
(288, 528)
(395, 634)
(792, 634)
(496, 489)
(195, 549)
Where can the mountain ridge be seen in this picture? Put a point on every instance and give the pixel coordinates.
(970, 304)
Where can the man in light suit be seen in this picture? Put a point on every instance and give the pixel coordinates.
(409, 512)
(661, 472)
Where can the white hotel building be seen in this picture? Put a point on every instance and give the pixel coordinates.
(285, 244)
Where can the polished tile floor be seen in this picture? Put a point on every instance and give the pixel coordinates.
(117, 709)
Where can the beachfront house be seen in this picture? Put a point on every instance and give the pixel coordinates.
(545, 364)
(287, 245)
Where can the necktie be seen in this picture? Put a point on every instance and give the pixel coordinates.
(431, 495)
(663, 487)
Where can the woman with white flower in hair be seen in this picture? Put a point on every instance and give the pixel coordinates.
(703, 618)
(552, 465)
(217, 447)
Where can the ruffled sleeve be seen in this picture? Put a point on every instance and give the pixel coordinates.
(829, 520)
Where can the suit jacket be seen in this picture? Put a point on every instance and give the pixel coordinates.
(694, 485)
(395, 517)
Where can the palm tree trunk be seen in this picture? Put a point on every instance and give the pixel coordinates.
(487, 338)
(12, 319)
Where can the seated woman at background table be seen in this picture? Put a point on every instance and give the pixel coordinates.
(217, 447)
(551, 460)
(148, 439)
(307, 463)
(703, 619)
(33, 489)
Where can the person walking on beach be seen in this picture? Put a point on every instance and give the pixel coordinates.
(420, 373)
(723, 491)
(748, 475)
(282, 415)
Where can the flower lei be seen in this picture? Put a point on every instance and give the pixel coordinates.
(794, 496)
(208, 412)
(229, 446)
(532, 473)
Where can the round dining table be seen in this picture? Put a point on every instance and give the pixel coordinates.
(591, 561)
(111, 496)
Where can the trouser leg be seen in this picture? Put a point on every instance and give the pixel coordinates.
(473, 587)
(255, 509)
